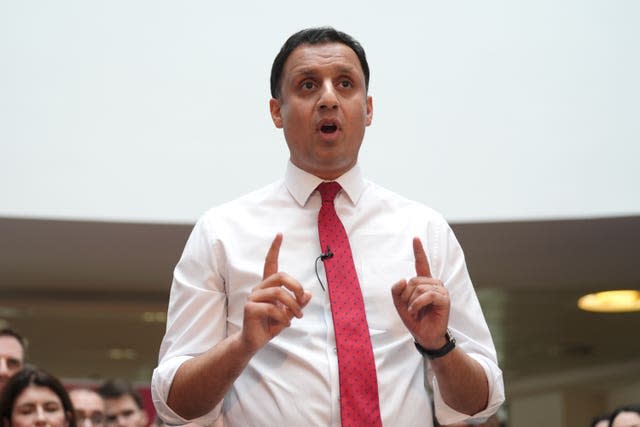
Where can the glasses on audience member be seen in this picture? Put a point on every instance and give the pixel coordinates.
(94, 418)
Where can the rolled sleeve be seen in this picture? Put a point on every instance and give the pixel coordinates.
(196, 319)
(448, 415)
(469, 327)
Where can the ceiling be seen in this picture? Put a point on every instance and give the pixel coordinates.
(91, 296)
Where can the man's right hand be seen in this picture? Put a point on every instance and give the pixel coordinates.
(201, 382)
(272, 304)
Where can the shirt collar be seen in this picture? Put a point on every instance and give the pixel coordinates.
(302, 184)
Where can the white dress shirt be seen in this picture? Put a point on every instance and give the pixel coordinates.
(293, 380)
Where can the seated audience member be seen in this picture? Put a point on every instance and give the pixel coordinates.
(89, 407)
(159, 423)
(33, 398)
(600, 421)
(123, 403)
(492, 421)
(625, 416)
(12, 348)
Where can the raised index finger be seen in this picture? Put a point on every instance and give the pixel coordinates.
(271, 260)
(422, 262)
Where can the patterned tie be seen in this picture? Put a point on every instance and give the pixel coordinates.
(359, 403)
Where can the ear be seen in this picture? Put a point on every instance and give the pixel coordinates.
(144, 417)
(369, 110)
(276, 115)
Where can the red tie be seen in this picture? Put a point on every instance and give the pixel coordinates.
(359, 403)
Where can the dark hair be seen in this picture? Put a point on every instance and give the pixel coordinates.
(31, 375)
(116, 388)
(8, 332)
(312, 36)
(626, 408)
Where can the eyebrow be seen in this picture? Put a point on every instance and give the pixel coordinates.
(309, 71)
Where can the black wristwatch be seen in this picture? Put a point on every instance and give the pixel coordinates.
(434, 354)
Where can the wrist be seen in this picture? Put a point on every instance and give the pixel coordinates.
(243, 346)
(449, 343)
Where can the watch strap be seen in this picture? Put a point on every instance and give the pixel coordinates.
(445, 349)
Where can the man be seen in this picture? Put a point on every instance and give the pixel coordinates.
(12, 347)
(89, 406)
(123, 404)
(258, 339)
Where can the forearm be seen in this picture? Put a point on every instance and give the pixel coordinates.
(201, 383)
(462, 382)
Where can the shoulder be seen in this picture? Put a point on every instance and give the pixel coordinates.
(393, 202)
(255, 199)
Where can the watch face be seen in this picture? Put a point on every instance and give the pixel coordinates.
(449, 336)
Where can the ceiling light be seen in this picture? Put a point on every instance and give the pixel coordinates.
(154, 317)
(611, 301)
(122, 354)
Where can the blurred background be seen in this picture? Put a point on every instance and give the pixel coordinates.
(122, 122)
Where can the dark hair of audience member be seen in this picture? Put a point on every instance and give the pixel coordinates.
(33, 376)
(116, 388)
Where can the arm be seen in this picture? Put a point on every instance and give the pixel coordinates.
(423, 305)
(201, 382)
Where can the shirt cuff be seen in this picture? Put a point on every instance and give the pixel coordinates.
(448, 415)
(161, 384)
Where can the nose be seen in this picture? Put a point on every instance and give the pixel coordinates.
(121, 420)
(328, 98)
(40, 416)
(4, 370)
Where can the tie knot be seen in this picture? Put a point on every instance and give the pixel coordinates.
(329, 190)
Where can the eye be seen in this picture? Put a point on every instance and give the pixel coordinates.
(51, 407)
(14, 364)
(345, 83)
(307, 85)
(128, 413)
(26, 409)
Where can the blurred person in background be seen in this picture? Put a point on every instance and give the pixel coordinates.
(625, 416)
(89, 407)
(123, 404)
(12, 348)
(600, 421)
(492, 421)
(34, 398)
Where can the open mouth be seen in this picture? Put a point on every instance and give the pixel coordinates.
(328, 128)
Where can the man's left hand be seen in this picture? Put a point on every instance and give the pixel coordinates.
(423, 302)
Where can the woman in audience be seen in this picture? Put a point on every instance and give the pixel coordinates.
(34, 398)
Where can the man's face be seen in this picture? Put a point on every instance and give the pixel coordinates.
(89, 407)
(323, 108)
(11, 358)
(123, 412)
